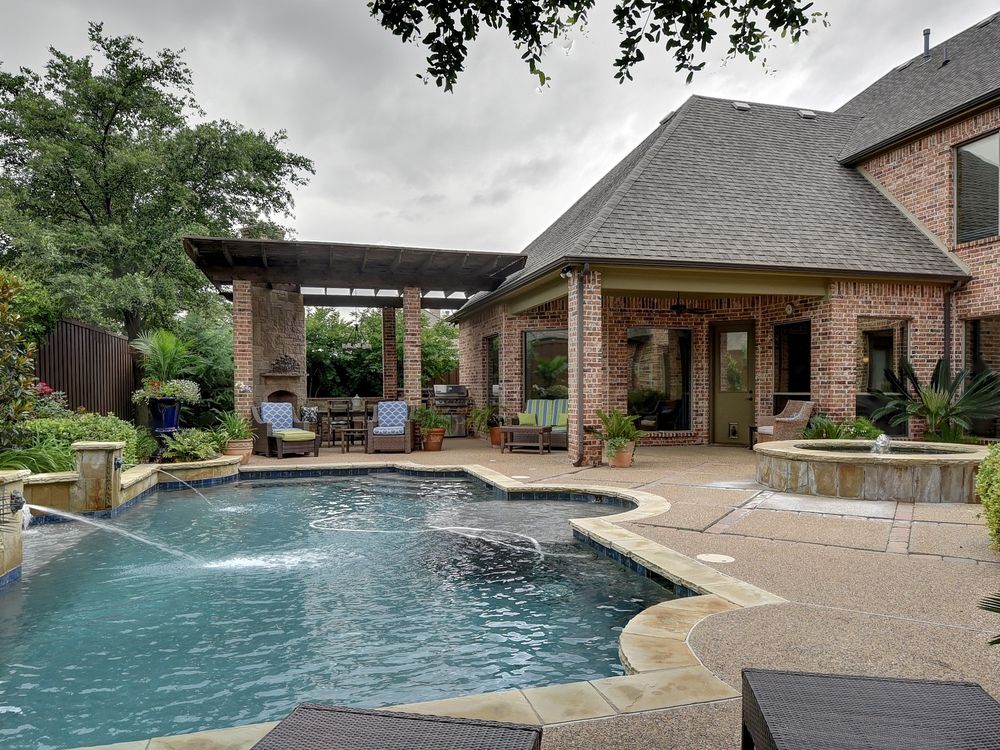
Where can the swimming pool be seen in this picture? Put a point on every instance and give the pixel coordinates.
(365, 590)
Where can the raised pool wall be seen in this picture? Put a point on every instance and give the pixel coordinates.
(10, 532)
(903, 478)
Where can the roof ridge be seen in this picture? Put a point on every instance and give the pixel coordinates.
(623, 187)
(792, 107)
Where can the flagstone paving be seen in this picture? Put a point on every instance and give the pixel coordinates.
(847, 586)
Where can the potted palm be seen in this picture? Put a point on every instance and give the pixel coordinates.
(432, 426)
(165, 359)
(619, 437)
(238, 434)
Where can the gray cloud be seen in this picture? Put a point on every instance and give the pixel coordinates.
(490, 166)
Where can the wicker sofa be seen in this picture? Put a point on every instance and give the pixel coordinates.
(549, 412)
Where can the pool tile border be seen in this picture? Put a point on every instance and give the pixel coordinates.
(662, 671)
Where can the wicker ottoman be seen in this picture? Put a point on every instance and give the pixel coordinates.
(311, 727)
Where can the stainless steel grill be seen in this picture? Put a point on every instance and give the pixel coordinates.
(452, 401)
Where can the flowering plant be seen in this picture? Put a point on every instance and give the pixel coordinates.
(49, 402)
(185, 391)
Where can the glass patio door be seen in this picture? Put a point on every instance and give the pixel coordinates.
(732, 382)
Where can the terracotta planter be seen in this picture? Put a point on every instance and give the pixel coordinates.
(495, 437)
(239, 448)
(623, 458)
(433, 439)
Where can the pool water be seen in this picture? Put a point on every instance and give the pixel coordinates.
(364, 590)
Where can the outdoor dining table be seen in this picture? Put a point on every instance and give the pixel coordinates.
(312, 727)
(804, 711)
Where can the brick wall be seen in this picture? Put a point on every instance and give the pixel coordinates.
(242, 347)
(836, 324)
(920, 174)
(389, 361)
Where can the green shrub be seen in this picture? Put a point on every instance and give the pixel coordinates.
(861, 428)
(47, 456)
(145, 445)
(430, 419)
(235, 426)
(988, 488)
(821, 427)
(192, 445)
(97, 427)
(17, 371)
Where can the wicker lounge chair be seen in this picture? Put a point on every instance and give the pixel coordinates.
(390, 429)
(550, 412)
(277, 432)
(788, 424)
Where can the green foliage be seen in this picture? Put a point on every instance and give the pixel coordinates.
(861, 428)
(948, 403)
(94, 427)
(191, 445)
(483, 417)
(235, 426)
(992, 604)
(145, 445)
(49, 403)
(38, 312)
(618, 427)
(344, 356)
(106, 161)
(644, 400)
(684, 28)
(430, 419)
(17, 392)
(988, 489)
(48, 455)
(185, 391)
(821, 427)
(163, 355)
(210, 338)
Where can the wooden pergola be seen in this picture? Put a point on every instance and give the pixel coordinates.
(258, 274)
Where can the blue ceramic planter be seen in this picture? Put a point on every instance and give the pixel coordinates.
(166, 414)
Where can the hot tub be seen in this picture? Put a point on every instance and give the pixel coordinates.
(911, 472)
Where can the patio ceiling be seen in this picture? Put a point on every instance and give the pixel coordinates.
(347, 275)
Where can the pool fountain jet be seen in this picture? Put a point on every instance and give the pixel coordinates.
(882, 444)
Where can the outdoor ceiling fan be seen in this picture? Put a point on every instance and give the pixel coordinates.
(680, 307)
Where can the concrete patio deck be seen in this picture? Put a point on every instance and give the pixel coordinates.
(871, 587)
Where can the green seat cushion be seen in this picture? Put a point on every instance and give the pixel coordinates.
(295, 436)
(562, 419)
(559, 429)
(526, 418)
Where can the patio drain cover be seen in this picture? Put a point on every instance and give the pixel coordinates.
(713, 558)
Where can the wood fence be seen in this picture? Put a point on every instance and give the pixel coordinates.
(93, 367)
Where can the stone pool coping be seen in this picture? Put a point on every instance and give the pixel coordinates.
(662, 671)
(965, 455)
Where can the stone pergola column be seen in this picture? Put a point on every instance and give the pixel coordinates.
(587, 308)
(243, 376)
(389, 359)
(411, 345)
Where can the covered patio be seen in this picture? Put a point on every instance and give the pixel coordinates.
(271, 282)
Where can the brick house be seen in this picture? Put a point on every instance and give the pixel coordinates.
(744, 254)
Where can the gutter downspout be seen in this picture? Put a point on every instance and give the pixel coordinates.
(579, 364)
(948, 304)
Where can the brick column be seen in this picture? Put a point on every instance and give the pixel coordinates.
(592, 360)
(389, 360)
(411, 345)
(243, 346)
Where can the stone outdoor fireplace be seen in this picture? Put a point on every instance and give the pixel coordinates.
(279, 349)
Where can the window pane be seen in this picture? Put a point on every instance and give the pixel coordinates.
(735, 374)
(546, 362)
(982, 346)
(978, 189)
(792, 370)
(881, 344)
(659, 389)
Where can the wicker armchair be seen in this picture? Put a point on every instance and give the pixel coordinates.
(277, 432)
(390, 428)
(788, 424)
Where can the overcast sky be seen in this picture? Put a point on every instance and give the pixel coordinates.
(490, 166)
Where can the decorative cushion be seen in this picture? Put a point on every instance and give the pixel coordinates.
(546, 410)
(391, 414)
(526, 418)
(562, 420)
(295, 436)
(380, 430)
(310, 414)
(277, 414)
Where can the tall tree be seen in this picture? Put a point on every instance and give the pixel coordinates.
(105, 163)
(684, 28)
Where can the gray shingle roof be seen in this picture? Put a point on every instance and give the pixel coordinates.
(912, 97)
(760, 189)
